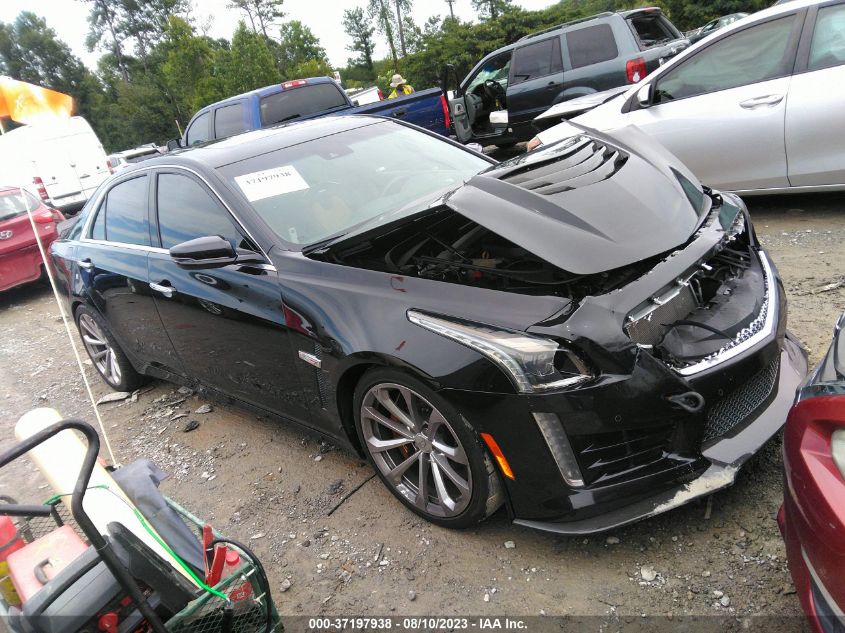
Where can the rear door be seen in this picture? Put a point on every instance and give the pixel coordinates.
(721, 110)
(536, 78)
(227, 324)
(71, 162)
(112, 266)
(815, 126)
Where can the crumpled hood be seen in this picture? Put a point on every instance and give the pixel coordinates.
(589, 203)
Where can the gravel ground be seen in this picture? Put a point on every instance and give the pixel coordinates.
(270, 485)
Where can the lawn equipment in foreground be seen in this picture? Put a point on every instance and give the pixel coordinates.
(125, 559)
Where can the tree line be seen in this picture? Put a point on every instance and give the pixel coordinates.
(158, 66)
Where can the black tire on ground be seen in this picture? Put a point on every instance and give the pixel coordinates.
(108, 358)
(460, 440)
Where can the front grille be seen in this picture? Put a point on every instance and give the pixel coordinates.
(650, 329)
(579, 162)
(603, 456)
(730, 411)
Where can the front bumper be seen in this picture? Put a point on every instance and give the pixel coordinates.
(725, 458)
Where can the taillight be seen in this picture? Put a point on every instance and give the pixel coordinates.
(39, 186)
(446, 118)
(296, 83)
(635, 70)
(43, 217)
(110, 168)
(380, 95)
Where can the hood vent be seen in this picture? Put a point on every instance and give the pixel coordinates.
(578, 162)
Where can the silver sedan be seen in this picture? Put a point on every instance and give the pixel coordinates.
(755, 108)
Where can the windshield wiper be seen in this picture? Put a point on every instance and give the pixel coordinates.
(288, 118)
(316, 246)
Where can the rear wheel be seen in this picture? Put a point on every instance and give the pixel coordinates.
(109, 360)
(424, 451)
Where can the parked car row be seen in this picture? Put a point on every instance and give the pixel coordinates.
(755, 108)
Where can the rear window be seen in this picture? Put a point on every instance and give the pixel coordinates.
(13, 204)
(296, 103)
(591, 45)
(229, 120)
(653, 29)
(537, 60)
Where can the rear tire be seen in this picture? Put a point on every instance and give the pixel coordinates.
(108, 358)
(410, 435)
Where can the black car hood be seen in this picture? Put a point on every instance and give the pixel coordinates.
(589, 203)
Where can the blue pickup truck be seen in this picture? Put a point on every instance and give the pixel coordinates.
(308, 99)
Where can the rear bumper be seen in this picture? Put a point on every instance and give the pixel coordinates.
(724, 458)
(21, 267)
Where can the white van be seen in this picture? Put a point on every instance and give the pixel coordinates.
(62, 162)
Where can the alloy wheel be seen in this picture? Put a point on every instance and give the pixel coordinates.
(416, 449)
(99, 349)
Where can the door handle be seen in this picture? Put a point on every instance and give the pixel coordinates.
(167, 291)
(398, 114)
(86, 263)
(766, 100)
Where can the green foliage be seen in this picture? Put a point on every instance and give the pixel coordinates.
(249, 64)
(360, 29)
(297, 46)
(491, 9)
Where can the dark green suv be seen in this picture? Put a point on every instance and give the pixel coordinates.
(499, 98)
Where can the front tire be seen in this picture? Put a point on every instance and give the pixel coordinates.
(108, 358)
(424, 451)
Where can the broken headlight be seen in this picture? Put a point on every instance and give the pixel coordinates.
(530, 362)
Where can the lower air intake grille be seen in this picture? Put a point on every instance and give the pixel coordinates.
(603, 456)
(726, 414)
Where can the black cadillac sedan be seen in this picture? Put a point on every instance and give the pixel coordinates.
(583, 333)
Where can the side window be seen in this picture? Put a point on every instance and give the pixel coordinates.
(98, 231)
(198, 130)
(126, 212)
(537, 60)
(750, 56)
(186, 210)
(229, 120)
(828, 46)
(591, 45)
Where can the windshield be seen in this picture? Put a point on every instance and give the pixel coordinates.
(300, 102)
(12, 204)
(328, 186)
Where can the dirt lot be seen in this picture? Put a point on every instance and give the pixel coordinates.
(273, 487)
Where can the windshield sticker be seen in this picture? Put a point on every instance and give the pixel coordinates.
(271, 182)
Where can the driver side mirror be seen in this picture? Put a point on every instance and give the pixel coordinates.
(644, 95)
(173, 144)
(211, 251)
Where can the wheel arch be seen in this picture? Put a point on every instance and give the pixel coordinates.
(350, 374)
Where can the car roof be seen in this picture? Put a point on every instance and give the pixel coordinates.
(243, 146)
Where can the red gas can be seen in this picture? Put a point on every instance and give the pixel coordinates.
(10, 541)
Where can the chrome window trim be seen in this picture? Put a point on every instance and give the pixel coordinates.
(822, 589)
(86, 231)
(134, 247)
(769, 326)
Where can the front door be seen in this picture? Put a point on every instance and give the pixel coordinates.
(536, 78)
(227, 324)
(721, 111)
(111, 261)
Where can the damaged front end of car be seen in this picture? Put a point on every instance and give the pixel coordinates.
(669, 365)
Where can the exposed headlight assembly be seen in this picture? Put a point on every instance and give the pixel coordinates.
(529, 361)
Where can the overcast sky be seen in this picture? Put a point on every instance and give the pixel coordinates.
(324, 17)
